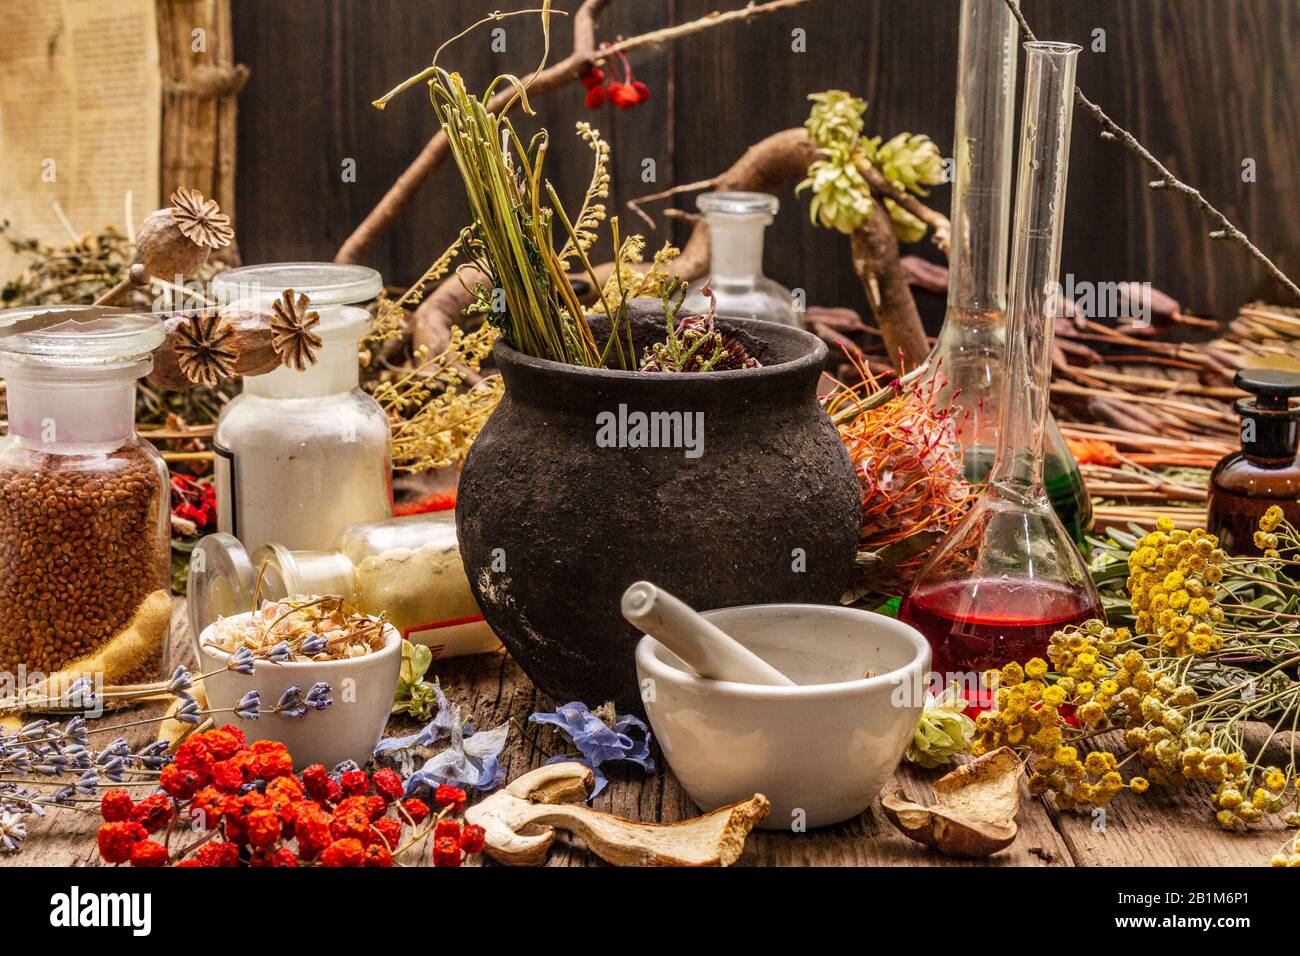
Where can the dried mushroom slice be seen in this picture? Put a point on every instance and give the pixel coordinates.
(974, 810)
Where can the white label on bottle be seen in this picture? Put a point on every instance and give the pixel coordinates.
(452, 638)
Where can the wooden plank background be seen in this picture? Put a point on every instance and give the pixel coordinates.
(1205, 83)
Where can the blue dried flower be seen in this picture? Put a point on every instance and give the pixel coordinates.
(291, 703)
(75, 731)
(280, 654)
(318, 696)
(79, 756)
(87, 782)
(64, 796)
(113, 770)
(181, 680)
(249, 706)
(314, 644)
(117, 748)
(598, 742)
(472, 762)
(188, 712)
(241, 661)
(154, 756)
(80, 693)
(347, 766)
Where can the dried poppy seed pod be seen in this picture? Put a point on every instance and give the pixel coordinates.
(164, 250)
(177, 240)
(249, 340)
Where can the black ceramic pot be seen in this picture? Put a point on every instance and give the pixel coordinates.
(562, 505)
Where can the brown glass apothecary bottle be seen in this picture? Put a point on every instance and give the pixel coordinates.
(1265, 472)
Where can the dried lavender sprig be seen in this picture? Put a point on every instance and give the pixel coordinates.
(80, 693)
(315, 644)
(50, 751)
(249, 706)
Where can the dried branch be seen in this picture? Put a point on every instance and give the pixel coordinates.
(940, 225)
(875, 260)
(1224, 228)
(667, 34)
(585, 55)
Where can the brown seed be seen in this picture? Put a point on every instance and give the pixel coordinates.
(79, 552)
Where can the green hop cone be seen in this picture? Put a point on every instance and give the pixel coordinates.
(909, 161)
(841, 198)
(944, 730)
(835, 121)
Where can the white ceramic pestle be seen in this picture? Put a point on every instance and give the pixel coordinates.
(703, 646)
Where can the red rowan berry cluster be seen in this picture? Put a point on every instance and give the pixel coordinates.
(250, 809)
(625, 93)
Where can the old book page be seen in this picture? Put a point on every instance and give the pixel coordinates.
(80, 113)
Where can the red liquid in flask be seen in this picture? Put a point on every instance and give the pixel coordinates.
(974, 625)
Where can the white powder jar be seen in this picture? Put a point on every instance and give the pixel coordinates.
(300, 455)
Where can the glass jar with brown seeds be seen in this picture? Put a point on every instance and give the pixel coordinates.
(84, 502)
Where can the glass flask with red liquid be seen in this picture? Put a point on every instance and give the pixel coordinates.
(1009, 574)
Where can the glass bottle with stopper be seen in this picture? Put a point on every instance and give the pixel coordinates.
(85, 506)
(301, 453)
(967, 361)
(1009, 575)
(736, 223)
(1245, 484)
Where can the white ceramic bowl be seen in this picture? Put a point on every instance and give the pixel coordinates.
(820, 751)
(348, 729)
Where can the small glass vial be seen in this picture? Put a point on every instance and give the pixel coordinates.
(1265, 472)
(408, 569)
(85, 523)
(736, 223)
(300, 455)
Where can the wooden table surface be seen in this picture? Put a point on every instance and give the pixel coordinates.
(1155, 830)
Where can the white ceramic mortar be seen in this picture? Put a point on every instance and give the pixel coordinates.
(820, 751)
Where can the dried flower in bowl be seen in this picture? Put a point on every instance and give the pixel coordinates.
(305, 628)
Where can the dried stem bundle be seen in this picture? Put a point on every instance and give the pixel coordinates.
(433, 421)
